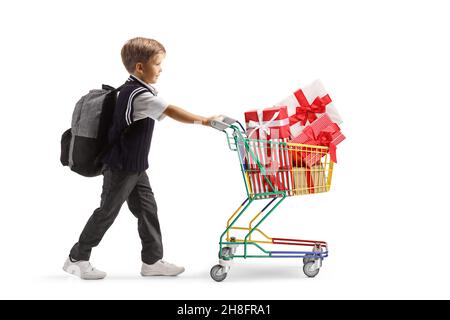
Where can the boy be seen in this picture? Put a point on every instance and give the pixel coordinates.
(125, 179)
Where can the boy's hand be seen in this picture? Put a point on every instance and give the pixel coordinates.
(207, 121)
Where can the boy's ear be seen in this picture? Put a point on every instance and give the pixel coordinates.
(139, 67)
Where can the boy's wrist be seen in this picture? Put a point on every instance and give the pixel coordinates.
(205, 121)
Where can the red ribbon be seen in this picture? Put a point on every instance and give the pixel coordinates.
(308, 112)
(326, 137)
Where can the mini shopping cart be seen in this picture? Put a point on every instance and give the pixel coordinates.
(272, 170)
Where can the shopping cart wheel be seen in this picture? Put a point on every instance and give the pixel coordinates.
(218, 273)
(307, 258)
(308, 269)
(310, 257)
(227, 252)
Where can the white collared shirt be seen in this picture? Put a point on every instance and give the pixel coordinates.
(148, 104)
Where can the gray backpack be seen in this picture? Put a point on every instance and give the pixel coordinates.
(84, 144)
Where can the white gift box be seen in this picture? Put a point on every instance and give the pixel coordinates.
(303, 104)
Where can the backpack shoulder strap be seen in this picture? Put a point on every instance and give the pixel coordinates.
(108, 146)
(108, 87)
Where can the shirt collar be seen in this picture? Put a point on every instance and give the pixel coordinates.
(148, 86)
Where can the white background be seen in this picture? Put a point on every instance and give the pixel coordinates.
(385, 64)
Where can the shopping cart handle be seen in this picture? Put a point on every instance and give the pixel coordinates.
(222, 122)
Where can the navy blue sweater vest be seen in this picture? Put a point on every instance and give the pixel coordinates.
(130, 139)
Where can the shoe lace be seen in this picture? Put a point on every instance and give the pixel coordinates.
(168, 264)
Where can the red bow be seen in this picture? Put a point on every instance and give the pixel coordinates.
(324, 138)
(307, 112)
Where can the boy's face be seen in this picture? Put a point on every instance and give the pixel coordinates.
(149, 71)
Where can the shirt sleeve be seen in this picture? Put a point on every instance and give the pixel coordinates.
(147, 105)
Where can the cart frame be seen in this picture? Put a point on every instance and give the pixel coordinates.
(237, 141)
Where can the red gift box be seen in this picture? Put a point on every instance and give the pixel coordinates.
(266, 124)
(276, 170)
(269, 181)
(322, 132)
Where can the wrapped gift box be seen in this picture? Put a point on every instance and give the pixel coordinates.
(266, 124)
(271, 124)
(306, 104)
(280, 180)
(309, 180)
(322, 132)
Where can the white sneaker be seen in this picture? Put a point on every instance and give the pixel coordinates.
(160, 268)
(83, 269)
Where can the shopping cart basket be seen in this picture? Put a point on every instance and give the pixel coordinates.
(272, 170)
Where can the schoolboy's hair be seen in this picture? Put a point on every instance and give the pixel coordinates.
(139, 50)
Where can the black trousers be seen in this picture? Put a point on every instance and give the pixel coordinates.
(119, 187)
